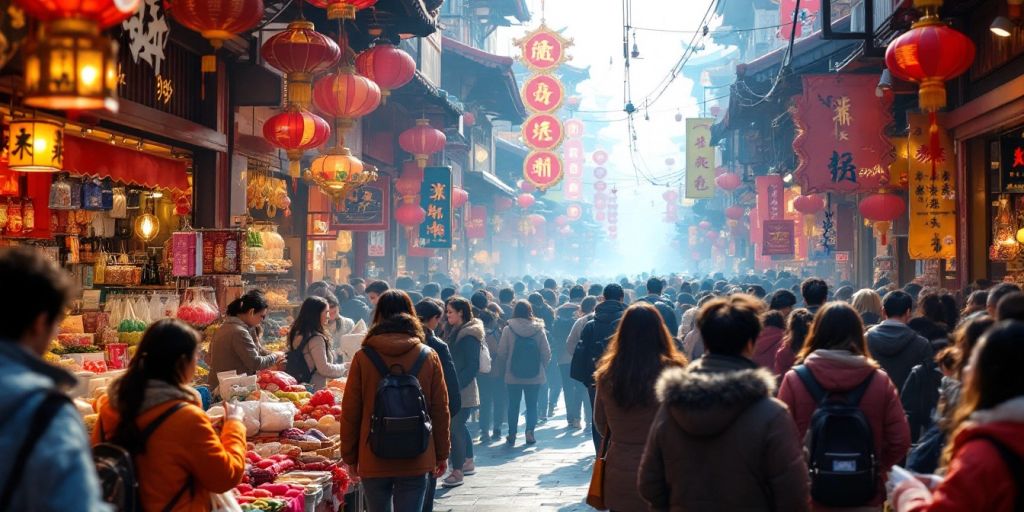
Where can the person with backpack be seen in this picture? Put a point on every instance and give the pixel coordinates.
(720, 441)
(152, 421)
(525, 350)
(626, 403)
(986, 456)
(593, 339)
(310, 353)
(547, 397)
(394, 415)
(565, 319)
(492, 382)
(47, 466)
(655, 287)
(235, 345)
(843, 403)
(465, 336)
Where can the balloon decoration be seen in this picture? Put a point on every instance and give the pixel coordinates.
(215, 20)
(728, 181)
(881, 209)
(387, 65)
(296, 130)
(300, 52)
(422, 141)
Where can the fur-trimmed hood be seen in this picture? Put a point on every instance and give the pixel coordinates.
(473, 328)
(707, 397)
(396, 335)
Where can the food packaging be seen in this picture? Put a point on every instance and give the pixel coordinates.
(117, 355)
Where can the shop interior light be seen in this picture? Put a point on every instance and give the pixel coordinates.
(1001, 26)
(147, 225)
(70, 65)
(36, 145)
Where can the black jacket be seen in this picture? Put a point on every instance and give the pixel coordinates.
(594, 339)
(667, 312)
(920, 397)
(451, 377)
(898, 349)
(355, 310)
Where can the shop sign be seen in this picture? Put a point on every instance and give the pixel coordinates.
(771, 196)
(543, 49)
(1012, 162)
(542, 132)
(543, 93)
(804, 19)
(376, 244)
(933, 194)
(436, 200)
(700, 159)
(363, 209)
(543, 169)
(778, 238)
(574, 129)
(842, 256)
(841, 144)
(415, 251)
(476, 224)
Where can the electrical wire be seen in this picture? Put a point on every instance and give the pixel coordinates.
(713, 32)
(784, 66)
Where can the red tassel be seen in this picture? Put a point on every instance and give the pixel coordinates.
(885, 238)
(933, 144)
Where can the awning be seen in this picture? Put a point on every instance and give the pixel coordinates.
(490, 181)
(419, 93)
(101, 160)
(496, 87)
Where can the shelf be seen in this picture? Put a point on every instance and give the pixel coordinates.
(266, 274)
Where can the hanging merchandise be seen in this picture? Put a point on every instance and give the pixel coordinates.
(92, 195)
(60, 194)
(119, 208)
(14, 219)
(198, 307)
(28, 215)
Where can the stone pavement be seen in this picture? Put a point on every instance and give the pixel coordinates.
(552, 475)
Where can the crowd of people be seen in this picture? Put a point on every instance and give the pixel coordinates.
(755, 393)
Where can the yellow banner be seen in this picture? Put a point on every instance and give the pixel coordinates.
(932, 194)
(700, 159)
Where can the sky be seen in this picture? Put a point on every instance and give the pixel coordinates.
(596, 27)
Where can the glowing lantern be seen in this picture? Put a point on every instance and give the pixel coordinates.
(71, 66)
(422, 141)
(526, 200)
(216, 20)
(344, 241)
(704, 225)
(410, 215)
(386, 65)
(103, 13)
(599, 157)
(342, 9)
(882, 208)
(729, 181)
(337, 172)
(296, 131)
(35, 145)
(346, 96)
(300, 52)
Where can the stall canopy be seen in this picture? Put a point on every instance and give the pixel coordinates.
(102, 160)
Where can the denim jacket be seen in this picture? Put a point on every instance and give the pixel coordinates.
(59, 475)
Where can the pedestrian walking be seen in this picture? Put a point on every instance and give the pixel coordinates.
(895, 346)
(465, 336)
(593, 340)
(524, 349)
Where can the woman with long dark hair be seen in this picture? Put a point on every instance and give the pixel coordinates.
(836, 357)
(525, 352)
(988, 437)
(465, 334)
(236, 344)
(626, 405)
(797, 327)
(184, 459)
(308, 339)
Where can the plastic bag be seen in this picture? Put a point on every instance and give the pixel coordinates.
(224, 502)
(237, 386)
(253, 419)
(277, 416)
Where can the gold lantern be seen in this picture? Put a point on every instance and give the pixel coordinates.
(337, 172)
(71, 66)
(35, 145)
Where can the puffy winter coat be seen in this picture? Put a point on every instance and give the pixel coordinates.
(898, 349)
(766, 346)
(464, 342)
(629, 428)
(840, 371)
(234, 347)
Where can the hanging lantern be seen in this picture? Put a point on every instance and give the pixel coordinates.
(216, 20)
(600, 186)
(422, 141)
(670, 196)
(536, 220)
(735, 212)
(410, 215)
(704, 225)
(1004, 244)
(712, 235)
(459, 197)
(300, 52)
(469, 119)
(526, 200)
(35, 145)
(882, 208)
(599, 157)
(103, 13)
(728, 181)
(573, 212)
(503, 203)
(809, 205)
(337, 172)
(147, 225)
(71, 66)
(387, 65)
(296, 131)
(346, 96)
(342, 9)
(408, 187)
(600, 173)
(527, 186)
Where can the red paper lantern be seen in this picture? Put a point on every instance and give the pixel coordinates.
(536, 220)
(526, 200)
(600, 186)
(296, 131)
(468, 119)
(930, 53)
(711, 235)
(734, 212)
(809, 204)
(422, 141)
(386, 65)
(215, 20)
(670, 196)
(410, 215)
(526, 186)
(106, 13)
(729, 181)
(882, 209)
(342, 9)
(459, 197)
(346, 95)
(704, 225)
(408, 186)
(300, 52)
(503, 203)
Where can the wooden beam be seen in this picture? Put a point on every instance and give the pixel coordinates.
(146, 119)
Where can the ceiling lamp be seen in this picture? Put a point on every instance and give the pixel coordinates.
(387, 65)
(422, 141)
(216, 20)
(35, 145)
(71, 66)
(296, 130)
(147, 225)
(1001, 26)
(338, 172)
(300, 52)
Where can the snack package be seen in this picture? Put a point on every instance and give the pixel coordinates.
(237, 386)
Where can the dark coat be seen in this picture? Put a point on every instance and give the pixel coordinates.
(628, 429)
(451, 377)
(898, 349)
(920, 397)
(464, 342)
(721, 442)
(667, 312)
(598, 331)
(356, 310)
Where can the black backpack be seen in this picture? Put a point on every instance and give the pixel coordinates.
(119, 482)
(525, 357)
(840, 445)
(296, 363)
(400, 427)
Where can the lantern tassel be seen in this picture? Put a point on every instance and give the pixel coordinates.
(933, 140)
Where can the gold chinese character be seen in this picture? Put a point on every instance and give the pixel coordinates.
(542, 94)
(542, 131)
(164, 89)
(437, 191)
(842, 116)
(436, 229)
(541, 50)
(435, 212)
(542, 167)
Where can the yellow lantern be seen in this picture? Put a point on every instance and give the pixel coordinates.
(71, 66)
(36, 145)
(337, 172)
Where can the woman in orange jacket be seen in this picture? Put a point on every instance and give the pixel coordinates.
(184, 460)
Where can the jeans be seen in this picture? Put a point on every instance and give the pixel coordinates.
(492, 403)
(574, 391)
(399, 494)
(550, 390)
(592, 391)
(428, 500)
(462, 444)
(516, 392)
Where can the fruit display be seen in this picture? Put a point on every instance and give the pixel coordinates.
(267, 254)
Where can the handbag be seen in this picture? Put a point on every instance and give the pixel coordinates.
(595, 494)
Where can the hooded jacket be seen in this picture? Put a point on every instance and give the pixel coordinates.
(525, 328)
(59, 474)
(898, 349)
(978, 478)
(597, 332)
(841, 371)
(464, 342)
(398, 340)
(451, 377)
(766, 346)
(234, 347)
(667, 312)
(184, 445)
(721, 442)
(565, 320)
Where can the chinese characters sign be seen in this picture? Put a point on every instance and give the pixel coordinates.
(543, 169)
(543, 49)
(542, 132)
(436, 200)
(778, 238)
(1012, 162)
(841, 143)
(770, 197)
(932, 197)
(700, 159)
(363, 209)
(476, 225)
(543, 93)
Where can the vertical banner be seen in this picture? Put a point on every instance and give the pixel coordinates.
(771, 200)
(476, 225)
(778, 238)
(376, 244)
(700, 159)
(436, 200)
(932, 195)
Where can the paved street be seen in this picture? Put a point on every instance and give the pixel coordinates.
(551, 475)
